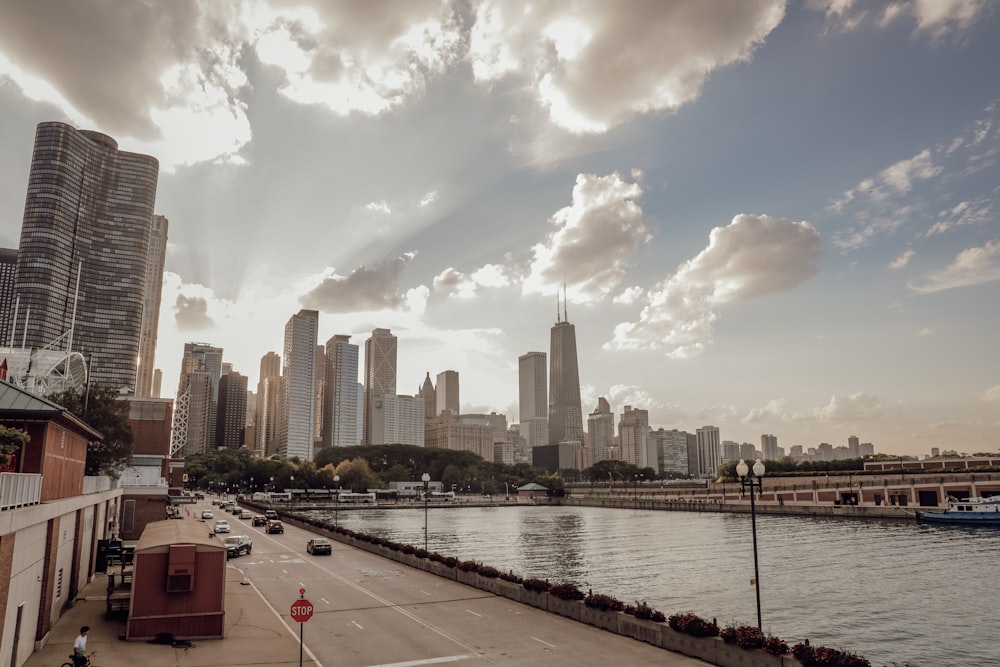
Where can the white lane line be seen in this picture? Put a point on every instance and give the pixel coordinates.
(426, 593)
(474, 613)
(284, 570)
(288, 627)
(428, 661)
(544, 642)
(324, 601)
(357, 625)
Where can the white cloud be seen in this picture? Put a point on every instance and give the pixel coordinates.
(630, 295)
(775, 409)
(429, 198)
(962, 214)
(972, 266)
(593, 65)
(594, 240)
(465, 286)
(365, 289)
(903, 259)
(855, 407)
(378, 207)
(925, 332)
(751, 257)
(992, 395)
(935, 17)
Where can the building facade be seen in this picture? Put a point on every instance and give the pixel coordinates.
(340, 418)
(83, 256)
(231, 416)
(709, 451)
(380, 375)
(769, 447)
(268, 405)
(397, 420)
(8, 263)
(600, 431)
(565, 409)
(533, 398)
(298, 419)
(446, 393)
(151, 307)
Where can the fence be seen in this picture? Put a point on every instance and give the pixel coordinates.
(19, 489)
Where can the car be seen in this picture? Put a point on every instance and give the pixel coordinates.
(221, 526)
(238, 545)
(319, 545)
(275, 527)
(258, 520)
(206, 514)
(246, 515)
(271, 515)
(235, 510)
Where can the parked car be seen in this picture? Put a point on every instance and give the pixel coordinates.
(206, 514)
(237, 545)
(275, 527)
(221, 526)
(246, 515)
(319, 545)
(271, 514)
(258, 520)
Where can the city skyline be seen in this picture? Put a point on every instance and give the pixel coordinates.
(771, 217)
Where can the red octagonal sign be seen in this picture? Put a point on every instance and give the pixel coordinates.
(302, 611)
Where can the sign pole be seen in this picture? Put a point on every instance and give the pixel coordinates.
(302, 596)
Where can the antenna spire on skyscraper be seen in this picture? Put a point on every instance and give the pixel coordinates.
(565, 298)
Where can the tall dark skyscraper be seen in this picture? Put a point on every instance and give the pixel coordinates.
(565, 411)
(88, 214)
(8, 263)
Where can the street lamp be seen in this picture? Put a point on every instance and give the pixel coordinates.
(754, 479)
(336, 500)
(426, 479)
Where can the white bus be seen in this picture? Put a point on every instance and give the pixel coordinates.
(445, 496)
(356, 498)
(279, 497)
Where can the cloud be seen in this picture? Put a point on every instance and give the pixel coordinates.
(594, 239)
(992, 395)
(629, 295)
(852, 408)
(455, 283)
(935, 17)
(962, 214)
(753, 256)
(364, 289)
(592, 65)
(903, 259)
(191, 313)
(972, 266)
(774, 409)
(379, 207)
(925, 332)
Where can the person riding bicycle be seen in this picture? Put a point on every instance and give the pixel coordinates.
(80, 648)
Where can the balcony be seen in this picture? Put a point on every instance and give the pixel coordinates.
(96, 484)
(19, 490)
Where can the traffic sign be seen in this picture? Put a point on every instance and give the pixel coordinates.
(302, 611)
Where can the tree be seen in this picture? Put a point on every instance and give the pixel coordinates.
(105, 412)
(12, 439)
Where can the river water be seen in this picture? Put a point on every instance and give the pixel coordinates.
(898, 593)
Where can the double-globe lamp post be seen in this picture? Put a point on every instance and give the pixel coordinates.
(426, 479)
(336, 500)
(754, 479)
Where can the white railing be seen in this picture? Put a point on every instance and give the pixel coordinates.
(96, 484)
(127, 482)
(19, 489)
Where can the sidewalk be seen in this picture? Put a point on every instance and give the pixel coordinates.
(254, 635)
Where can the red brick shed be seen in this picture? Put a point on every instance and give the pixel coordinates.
(178, 582)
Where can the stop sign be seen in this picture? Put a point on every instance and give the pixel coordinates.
(302, 611)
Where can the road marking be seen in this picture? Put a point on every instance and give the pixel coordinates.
(284, 623)
(429, 661)
(426, 593)
(284, 570)
(324, 601)
(474, 613)
(357, 625)
(544, 642)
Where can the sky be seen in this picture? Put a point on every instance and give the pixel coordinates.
(771, 217)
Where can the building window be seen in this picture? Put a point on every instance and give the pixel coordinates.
(128, 516)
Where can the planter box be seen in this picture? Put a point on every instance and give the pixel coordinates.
(567, 608)
(537, 600)
(732, 655)
(503, 588)
(606, 620)
(468, 578)
(644, 630)
(703, 648)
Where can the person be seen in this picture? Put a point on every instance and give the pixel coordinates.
(80, 648)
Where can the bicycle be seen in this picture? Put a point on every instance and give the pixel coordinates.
(72, 663)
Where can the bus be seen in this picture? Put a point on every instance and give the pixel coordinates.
(356, 498)
(446, 496)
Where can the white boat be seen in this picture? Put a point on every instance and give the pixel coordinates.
(967, 511)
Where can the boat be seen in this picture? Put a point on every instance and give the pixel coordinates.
(966, 512)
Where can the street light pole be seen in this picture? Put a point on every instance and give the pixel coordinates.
(336, 501)
(426, 479)
(754, 479)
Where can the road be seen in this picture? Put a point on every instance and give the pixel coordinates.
(373, 612)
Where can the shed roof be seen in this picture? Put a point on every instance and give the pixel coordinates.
(17, 403)
(159, 534)
(532, 487)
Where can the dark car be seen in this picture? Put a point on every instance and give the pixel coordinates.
(319, 545)
(235, 510)
(271, 514)
(237, 545)
(258, 520)
(275, 527)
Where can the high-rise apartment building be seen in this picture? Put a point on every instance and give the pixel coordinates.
(565, 410)
(8, 263)
(193, 429)
(297, 425)
(380, 375)
(671, 452)
(446, 393)
(633, 434)
(730, 450)
(340, 406)
(84, 250)
(709, 451)
(269, 400)
(319, 384)
(231, 414)
(600, 431)
(151, 306)
(533, 399)
(854, 446)
(204, 358)
(397, 420)
(747, 451)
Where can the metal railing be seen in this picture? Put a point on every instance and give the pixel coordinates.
(125, 481)
(19, 489)
(96, 484)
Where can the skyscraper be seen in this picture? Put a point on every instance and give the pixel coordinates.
(268, 405)
(633, 434)
(296, 428)
(84, 249)
(198, 396)
(8, 263)
(340, 406)
(380, 374)
(601, 431)
(446, 393)
(769, 447)
(151, 306)
(565, 411)
(533, 399)
(428, 393)
(231, 415)
(709, 451)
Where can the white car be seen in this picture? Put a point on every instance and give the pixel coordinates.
(221, 526)
(206, 514)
